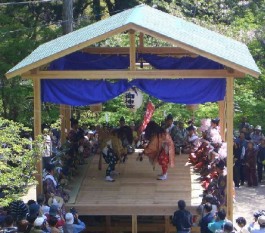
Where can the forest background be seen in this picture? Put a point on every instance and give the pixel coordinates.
(24, 25)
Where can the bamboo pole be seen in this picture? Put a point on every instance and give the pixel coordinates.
(229, 137)
(37, 128)
(221, 105)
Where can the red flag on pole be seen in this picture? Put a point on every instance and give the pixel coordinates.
(148, 115)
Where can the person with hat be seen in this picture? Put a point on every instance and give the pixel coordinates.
(251, 162)
(160, 148)
(39, 225)
(56, 212)
(261, 222)
(257, 135)
(73, 224)
(192, 140)
(220, 192)
(261, 159)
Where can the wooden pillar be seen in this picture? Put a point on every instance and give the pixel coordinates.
(67, 118)
(37, 128)
(134, 223)
(229, 139)
(132, 50)
(63, 123)
(167, 224)
(108, 224)
(141, 40)
(222, 123)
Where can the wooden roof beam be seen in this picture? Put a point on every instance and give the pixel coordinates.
(146, 50)
(134, 74)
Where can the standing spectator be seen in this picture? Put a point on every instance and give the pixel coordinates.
(39, 226)
(219, 221)
(52, 225)
(9, 225)
(261, 221)
(243, 124)
(241, 144)
(182, 218)
(251, 162)
(180, 138)
(257, 135)
(73, 224)
(241, 222)
(209, 216)
(261, 159)
(47, 148)
(171, 128)
(55, 212)
(18, 210)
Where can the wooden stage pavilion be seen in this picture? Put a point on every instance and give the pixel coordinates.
(135, 193)
(183, 39)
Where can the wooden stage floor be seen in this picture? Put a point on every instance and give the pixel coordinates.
(136, 190)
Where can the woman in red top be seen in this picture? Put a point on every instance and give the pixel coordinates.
(160, 148)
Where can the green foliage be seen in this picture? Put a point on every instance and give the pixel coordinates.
(17, 160)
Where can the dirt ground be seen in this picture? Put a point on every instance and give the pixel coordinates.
(249, 200)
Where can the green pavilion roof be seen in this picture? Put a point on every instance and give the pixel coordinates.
(152, 22)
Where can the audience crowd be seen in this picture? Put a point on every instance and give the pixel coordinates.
(207, 154)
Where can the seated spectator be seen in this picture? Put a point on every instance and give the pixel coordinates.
(219, 221)
(208, 218)
(182, 218)
(73, 224)
(52, 225)
(9, 225)
(192, 140)
(261, 222)
(50, 185)
(241, 222)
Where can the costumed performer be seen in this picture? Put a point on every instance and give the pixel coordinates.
(112, 151)
(160, 148)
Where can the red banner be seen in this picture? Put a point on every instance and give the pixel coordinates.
(148, 115)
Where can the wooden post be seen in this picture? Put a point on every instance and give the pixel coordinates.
(134, 223)
(132, 50)
(37, 128)
(67, 118)
(141, 40)
(222, 123)
(108, 224)
(63, 123)
(229, 138)
(167, 224)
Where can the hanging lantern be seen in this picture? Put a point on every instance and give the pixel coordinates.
(133, 98)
